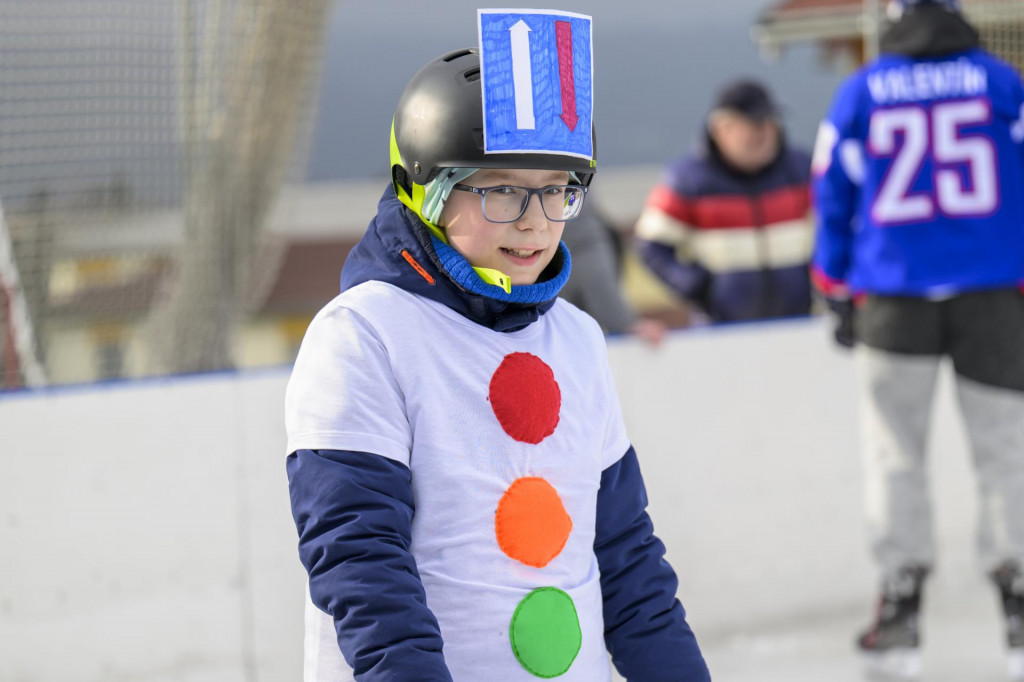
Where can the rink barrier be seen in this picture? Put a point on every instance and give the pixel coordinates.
(146, 530)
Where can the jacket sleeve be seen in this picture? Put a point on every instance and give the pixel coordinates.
(665, 230)
(838, 170)
(645, 625)
(353, 511)
(688, 280)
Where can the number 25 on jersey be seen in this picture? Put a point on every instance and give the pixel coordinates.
(964, 180)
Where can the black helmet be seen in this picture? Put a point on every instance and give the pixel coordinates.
(439, 124)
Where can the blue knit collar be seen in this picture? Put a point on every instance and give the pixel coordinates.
(463, 274)
(398, 249)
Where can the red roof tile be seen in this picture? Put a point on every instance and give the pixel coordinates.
(800, 5)
(308, 276)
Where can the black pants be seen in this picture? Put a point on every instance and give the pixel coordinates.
(982, 332)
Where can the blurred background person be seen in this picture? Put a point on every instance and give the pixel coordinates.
(595, 283)
(727, 228)
(919, 168)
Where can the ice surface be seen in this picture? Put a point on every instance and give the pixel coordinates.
(961, 628)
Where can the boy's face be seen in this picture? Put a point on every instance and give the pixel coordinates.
(521, 249)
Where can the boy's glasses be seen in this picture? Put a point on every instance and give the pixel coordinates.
(507, 203)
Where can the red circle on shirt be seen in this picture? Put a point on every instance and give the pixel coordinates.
(525, 397)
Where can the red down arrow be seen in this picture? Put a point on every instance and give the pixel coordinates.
(563, 38)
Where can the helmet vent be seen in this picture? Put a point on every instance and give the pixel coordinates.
(472, 75)
(451, 57)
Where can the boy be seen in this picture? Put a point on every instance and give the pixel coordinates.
(468, 505)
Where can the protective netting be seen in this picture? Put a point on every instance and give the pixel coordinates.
(143, 146)
(1001, 23)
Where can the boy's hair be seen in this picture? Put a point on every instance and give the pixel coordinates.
(439, 124)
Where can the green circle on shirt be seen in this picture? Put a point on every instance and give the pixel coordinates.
(545, 632)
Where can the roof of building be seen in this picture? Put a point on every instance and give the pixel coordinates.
(792, 21)
(308, 212)
(128, 299)
(317, 225)
(797, 5)
(305, 281)
(308, 277)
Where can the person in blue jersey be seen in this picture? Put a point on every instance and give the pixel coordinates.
(467, 501)
(919, 191)
(728, 227)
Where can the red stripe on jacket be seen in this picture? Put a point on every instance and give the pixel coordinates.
(720, 212)
(667, 201)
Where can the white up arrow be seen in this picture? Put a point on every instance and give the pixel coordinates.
(522, 75)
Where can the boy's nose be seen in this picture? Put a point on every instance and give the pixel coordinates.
(533, 217)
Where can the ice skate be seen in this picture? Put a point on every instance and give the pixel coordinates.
(1010, 580)
(891, 647)
(1015, 664)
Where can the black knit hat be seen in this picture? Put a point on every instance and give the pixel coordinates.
(749, 98)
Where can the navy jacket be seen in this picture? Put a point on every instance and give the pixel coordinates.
(735, 245)
(354, 510)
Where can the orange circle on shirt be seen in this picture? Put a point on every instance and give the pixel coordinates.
(531, 523)
(525, 397)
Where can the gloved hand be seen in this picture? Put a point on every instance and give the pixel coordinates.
(844, 314)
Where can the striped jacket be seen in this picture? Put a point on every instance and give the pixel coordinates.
(735, 245)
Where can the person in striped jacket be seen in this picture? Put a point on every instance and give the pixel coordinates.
(728, 227)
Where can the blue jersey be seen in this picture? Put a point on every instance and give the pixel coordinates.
(919, 178)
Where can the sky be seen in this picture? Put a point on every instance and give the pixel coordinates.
(658, 65)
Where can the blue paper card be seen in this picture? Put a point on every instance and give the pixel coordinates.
(537, 78)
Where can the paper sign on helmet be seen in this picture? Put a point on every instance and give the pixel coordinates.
(537, 82)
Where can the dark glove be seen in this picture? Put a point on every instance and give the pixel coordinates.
(844, 314)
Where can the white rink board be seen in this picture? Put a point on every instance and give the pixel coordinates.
(146, 533)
